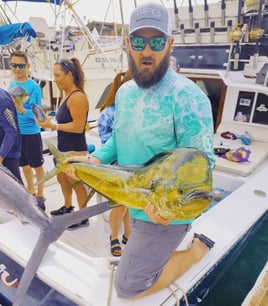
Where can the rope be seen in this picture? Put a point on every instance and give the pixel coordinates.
(174, 294)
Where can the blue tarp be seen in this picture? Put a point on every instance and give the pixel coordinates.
(10, 32)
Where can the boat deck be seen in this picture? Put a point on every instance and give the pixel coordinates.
(80, 262)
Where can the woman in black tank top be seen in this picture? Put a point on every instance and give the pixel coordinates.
(71, 123)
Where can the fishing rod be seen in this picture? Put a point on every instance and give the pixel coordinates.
(236, 37)
(176, 14)
(240, 12)
(206, 12)
(223, 12)
(190, 10)
(256, 33)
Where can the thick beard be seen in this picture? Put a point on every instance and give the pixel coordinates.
(146, 80)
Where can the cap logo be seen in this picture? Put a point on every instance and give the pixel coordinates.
(148, 13)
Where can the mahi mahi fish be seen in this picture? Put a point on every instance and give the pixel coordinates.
(19, 94)
(14, 197)
(178, 182)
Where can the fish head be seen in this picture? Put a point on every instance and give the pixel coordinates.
(182, 187)
(19, 94)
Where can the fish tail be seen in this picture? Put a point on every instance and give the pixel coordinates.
(66, 220)
(50, 233)
(59, 157)
(31, 268)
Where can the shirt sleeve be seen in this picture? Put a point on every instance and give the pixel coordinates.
(10, 131)
(107, 153)
(194, 121)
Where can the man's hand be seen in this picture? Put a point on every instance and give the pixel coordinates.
(154, 215)
(70, 171)
(47, 124)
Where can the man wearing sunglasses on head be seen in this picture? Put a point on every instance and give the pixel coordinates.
(157, 110)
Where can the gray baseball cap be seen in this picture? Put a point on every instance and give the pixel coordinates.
(150, 15)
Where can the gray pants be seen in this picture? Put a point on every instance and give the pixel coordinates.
(147, 251)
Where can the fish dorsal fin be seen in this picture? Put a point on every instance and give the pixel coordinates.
(146, 164)
(59, 157)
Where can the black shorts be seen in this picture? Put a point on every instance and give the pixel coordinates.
(32, 151)
(13, 166)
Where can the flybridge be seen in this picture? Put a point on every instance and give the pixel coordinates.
(226, 35)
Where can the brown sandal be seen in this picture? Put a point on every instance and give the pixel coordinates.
(115, 247)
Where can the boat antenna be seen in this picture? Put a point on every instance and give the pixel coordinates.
(123, 31)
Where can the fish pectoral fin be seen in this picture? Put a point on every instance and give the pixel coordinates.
(89, 196)
(31, 267)
(114, 204)
(77, 183)
(142, 190)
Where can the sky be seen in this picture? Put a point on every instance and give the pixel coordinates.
(98, 10)
(92, 10)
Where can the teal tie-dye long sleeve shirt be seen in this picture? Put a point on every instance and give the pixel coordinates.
(174, 113)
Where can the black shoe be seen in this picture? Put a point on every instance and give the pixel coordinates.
(61, 211)
(41, 202)
(81, 224)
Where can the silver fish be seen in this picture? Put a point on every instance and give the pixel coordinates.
(14, 197)
(39, 112)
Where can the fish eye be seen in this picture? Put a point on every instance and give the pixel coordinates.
(152, 185)
(180, 191)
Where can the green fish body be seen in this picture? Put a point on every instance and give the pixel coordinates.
(178, 182)
(19, 94)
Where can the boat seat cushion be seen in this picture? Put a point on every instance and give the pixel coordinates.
(258, 147)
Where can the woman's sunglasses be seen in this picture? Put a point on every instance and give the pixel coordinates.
(20, 66)
(157, 43)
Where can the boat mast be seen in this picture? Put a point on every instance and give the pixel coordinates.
(90, 38)
(123, 31)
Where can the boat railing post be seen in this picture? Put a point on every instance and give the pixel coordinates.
(228, 66)
(266, 79)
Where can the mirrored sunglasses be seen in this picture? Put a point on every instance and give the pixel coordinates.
(20, 66)
(157, 43)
